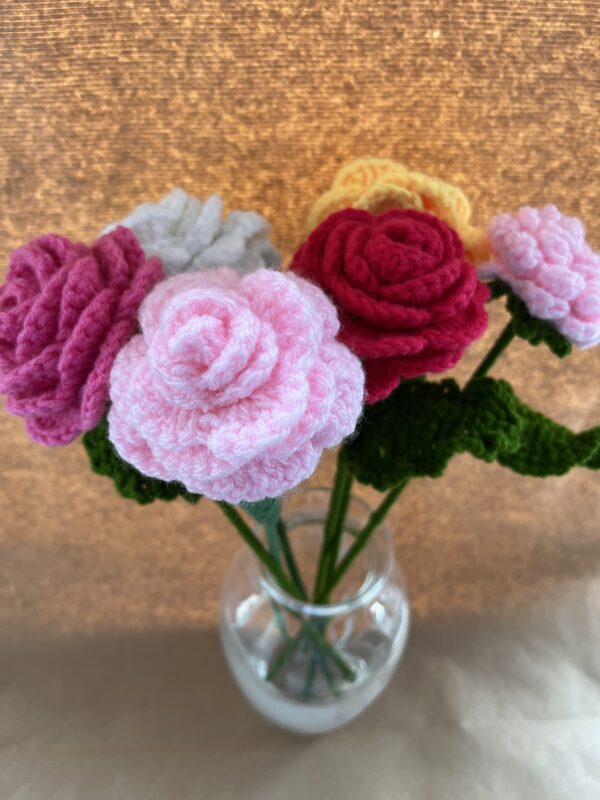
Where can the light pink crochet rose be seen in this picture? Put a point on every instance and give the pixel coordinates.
(235, 385)
(65, 311)
(544, 257)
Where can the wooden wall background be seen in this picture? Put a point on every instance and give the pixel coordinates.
(107, 103)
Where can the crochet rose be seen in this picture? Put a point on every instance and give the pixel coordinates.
(544, 257)
(187, 234)
(65, 311)
(380, 184)
(408, 301)
(235, 385)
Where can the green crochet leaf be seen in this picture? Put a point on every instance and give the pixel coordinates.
(547, 448)
(421, 426)
(128, 481)
(535, 331)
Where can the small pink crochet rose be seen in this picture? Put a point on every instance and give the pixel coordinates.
(65, 311)
(544, 257)
(235, 385)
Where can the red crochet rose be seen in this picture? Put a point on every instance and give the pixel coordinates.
(408, 301)
(65, 312)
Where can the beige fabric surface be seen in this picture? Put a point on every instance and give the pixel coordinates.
(488, 707)
(111, 681)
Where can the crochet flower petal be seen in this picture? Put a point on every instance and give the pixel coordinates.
(405, 293)
(274, 385)
(379, 185)
(544, 258)
(190, 235)
(65, 311)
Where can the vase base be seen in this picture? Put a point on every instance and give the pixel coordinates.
(281, 701)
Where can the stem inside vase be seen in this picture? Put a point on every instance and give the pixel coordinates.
(312, 629)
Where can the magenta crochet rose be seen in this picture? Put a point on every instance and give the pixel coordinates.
(544, 257)
(235, 385)
(65, 311)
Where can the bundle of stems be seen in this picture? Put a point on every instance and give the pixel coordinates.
(277, 556)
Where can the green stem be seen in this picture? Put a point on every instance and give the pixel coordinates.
(319, 639)
(495, 352)
(258, 548)
(271, 563)
(334, 524)
(289, 558)
(280, 621)
(335, 690)
(310, 676)
(318, 658)
(273, 540)
(337, 531)
(316, 632)
(286, 652)
(273, 543)
(375, 519)
(317, 636)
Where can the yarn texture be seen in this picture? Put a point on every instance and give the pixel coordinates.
(187, 234)
(421, 426)
(65, 311)
(235, 385)
(129, 482)
(535, 331)
(266, 512)
(409, 303)
(380, 184)
(544, 257)
(547, 448)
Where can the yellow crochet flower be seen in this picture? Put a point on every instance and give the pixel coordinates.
(380, 184)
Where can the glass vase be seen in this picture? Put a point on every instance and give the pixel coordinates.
(311, 668)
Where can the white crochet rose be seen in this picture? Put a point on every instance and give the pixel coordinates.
(189, 235)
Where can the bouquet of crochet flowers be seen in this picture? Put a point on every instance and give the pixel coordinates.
(194, 365)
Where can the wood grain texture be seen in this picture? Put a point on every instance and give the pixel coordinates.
(108, 103)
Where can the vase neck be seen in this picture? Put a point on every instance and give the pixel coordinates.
(357, 589)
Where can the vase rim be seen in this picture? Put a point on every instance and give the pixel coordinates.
(380, 547)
